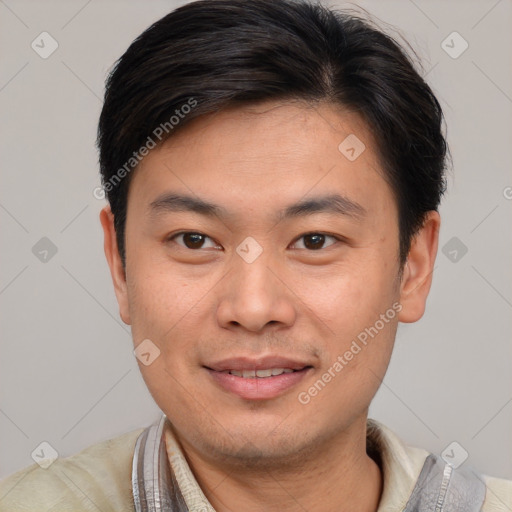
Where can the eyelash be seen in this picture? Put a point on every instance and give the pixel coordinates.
(338, 239)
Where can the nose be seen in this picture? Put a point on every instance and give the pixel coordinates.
(255, 296)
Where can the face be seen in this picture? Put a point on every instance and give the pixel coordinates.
(263, 264)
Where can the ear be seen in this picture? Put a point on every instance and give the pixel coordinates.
(114, 262)
(418, 269)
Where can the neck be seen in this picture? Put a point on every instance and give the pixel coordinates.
(337, 476)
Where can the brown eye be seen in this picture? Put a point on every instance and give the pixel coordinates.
(315, 241)
(191, 240)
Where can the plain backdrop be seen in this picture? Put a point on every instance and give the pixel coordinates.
(67, 371)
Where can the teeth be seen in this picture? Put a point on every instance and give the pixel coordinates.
(250, 374)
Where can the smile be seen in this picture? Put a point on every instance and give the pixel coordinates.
(262, 384)
(261, 374)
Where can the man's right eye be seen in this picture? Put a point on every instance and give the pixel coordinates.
(191, 239)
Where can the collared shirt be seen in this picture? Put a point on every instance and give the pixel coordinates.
(99, 478)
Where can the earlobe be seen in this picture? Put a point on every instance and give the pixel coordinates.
(418, 269)
(115, 264)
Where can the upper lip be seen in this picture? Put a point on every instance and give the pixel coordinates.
(260, 363)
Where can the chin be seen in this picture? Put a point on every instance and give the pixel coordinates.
(258, 446)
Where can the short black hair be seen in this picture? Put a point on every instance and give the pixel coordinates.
(210, 55)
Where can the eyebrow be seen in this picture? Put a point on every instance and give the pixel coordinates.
(333, 203)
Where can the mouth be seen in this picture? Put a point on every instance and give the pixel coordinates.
(260, 374)
(260, 379)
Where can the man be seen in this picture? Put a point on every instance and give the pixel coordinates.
(273, 171)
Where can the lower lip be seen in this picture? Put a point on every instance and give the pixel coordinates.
(258, 388)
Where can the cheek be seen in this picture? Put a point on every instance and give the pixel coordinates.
(161, 303)
(359, 322)
(350, 295)
(165, 310)
(354, 367)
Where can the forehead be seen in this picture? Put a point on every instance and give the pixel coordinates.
(259, 155)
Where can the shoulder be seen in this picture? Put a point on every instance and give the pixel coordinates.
(412, 474)
(97, 478)
(498, 496)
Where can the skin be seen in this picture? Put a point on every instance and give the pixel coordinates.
(203, 304)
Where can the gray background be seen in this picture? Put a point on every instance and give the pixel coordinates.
(67, 372)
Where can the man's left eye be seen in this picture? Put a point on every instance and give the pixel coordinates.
(315, 241)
